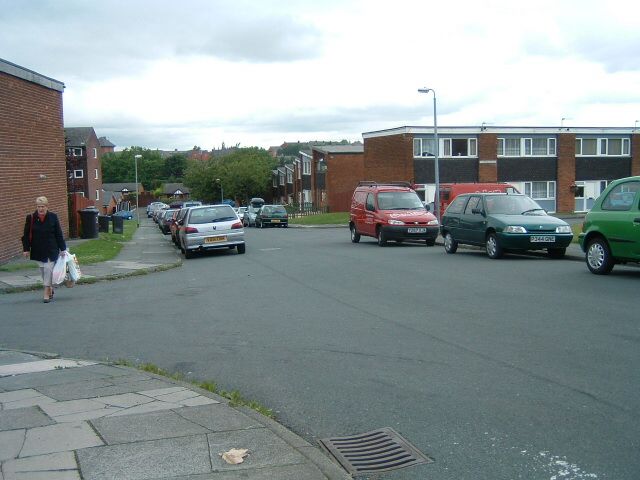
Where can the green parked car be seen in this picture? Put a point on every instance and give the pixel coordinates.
(503, 222)
(611, 229)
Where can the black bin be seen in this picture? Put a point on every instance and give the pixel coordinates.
(89, 222)
(103, 223)
(118, 223)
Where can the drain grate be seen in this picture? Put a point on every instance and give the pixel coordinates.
(376, 451)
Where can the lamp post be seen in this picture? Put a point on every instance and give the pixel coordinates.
(135, 161)
(436, 202)
(221, 191)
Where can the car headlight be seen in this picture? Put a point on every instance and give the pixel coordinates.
(433, 222)
(514, 229)
(396, 222)
(563, 229)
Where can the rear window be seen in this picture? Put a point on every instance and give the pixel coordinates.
(220, 213)
(274, 209)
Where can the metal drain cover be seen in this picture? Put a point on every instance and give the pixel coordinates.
(376, 451)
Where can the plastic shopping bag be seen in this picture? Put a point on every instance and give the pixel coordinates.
(59, 269)
(74, 267)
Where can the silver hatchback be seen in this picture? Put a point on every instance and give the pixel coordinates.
(209, 227)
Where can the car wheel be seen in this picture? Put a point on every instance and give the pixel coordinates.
(355, 236)
(382, 241)
(430, 242)
(598, 257)
(242, 247)
(450, 245)
(188, 254)
(494, 250)
(556, 252)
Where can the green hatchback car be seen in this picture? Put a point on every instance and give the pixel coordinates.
(611, 229)
(503, 222)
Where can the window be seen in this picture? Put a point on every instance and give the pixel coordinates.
(97, 194)
(526, 147)
(78, 174)
(96, 177)
(621, 198)
(603, 146)
(370, 203)
(77, 152)
(281, 176)
(540, 190)
(586, 146)
(473, 203)
(95, 153)
(289, 176)
(424, 147)
(459, 147)
(509, 147)
(457, 205)
(306, 167)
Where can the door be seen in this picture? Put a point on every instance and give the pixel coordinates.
(620, 220)
(368, 226)
(472, 222)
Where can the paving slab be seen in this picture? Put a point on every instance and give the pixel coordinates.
(219, 417)
(54, 377)
(11, 444)
(149, 426)
(41, 366)
(8, 357)
(40, 463)
(39, 400)
(59, 438)
(124, 400)
(28, 417)
(58, 409)
(265, 449)
(166, 458)
(90, 415)
(100, 388)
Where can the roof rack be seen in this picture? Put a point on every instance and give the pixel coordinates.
(368, 183)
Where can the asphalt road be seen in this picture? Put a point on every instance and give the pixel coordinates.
(523, 367)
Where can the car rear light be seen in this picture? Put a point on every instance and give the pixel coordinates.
(236, 225)
(190, 230)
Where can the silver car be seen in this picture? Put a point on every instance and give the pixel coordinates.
(208, 227)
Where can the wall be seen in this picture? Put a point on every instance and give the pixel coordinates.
(32, 157)
(389, 158)
(344, 171)
(566, 175)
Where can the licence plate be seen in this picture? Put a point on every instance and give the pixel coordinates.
(543, 239)
(275, 220)
(218, 238)
(416, 230)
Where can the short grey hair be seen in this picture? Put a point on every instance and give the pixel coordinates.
(42, 201)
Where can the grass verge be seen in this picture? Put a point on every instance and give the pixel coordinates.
(234, 396)
(104, 248)
(336, 218)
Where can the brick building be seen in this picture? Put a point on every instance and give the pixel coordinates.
(84, 168)
(563, 169)
(338, 169)
(32, 151)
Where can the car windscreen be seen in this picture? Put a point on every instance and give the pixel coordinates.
(221, 213)
(512, 205)
(399, 201)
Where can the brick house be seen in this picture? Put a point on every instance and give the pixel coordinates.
(32, 154)
(563, 169)
(338, 169)
(84, 170)
(106, 146)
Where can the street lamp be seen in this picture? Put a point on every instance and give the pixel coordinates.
(436, 201)
(135, 161)
(221, 191)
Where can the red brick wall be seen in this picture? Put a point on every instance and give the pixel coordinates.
(389, 158)
(93, 184)
(566, 176)
(488, 157)
(635, 154)
(31, 146)
(344, 171)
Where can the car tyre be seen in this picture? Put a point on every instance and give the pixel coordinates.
(355, 236)
(598, 257)
(450, 245)
(188, 254)
(382, 240)
(557, 252)
(494, 250)
(242, 248)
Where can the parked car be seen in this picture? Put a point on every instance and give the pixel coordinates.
(126, 214)
(210, 227)
(611, 229)
(153, 207)
(240, 211)
(165, 221)
(502, 222)
(272, 216)
(391, 211)
(178, 216)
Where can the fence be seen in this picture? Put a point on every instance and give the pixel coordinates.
(77, 202)
(295, 210)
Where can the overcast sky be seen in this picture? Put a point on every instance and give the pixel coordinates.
(173, 74)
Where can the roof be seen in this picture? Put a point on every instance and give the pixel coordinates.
(30, 76)
(104, 142)
(171, 188)
(108, 195)
(120, 187)
(340, 149)
(504, 130)
(78, 136)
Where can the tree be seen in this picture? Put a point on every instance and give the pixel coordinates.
(119, 167)
(243, 173)
(175, 166)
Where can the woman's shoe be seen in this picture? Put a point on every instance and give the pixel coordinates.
(46, 300)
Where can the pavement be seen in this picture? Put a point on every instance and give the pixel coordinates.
(63, 419)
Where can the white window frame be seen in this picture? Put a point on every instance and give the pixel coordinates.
(603, 147)
(550, 187)
(420, 147)
(299, 170)
(77, 152)
(78, 174)
(306, 167)
(97, 194)
(281, 177)
(289, 176)
(526, 147)
(96, 177)
(95, 152)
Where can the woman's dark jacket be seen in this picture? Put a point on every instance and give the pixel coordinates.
(43, 239)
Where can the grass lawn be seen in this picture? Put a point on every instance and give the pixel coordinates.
(96, 250)
(340, 218)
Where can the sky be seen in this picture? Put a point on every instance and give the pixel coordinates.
(170, 74)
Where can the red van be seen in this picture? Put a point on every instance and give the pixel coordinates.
(449, 191)
(390, 211)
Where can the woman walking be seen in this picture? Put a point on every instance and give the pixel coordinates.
(43, 241)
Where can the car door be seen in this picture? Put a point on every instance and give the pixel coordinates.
(620, 220)
(472, 221)
(368, 226)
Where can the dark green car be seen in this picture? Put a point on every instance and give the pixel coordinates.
(272, 216)
(611, 229)
(503, 222)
